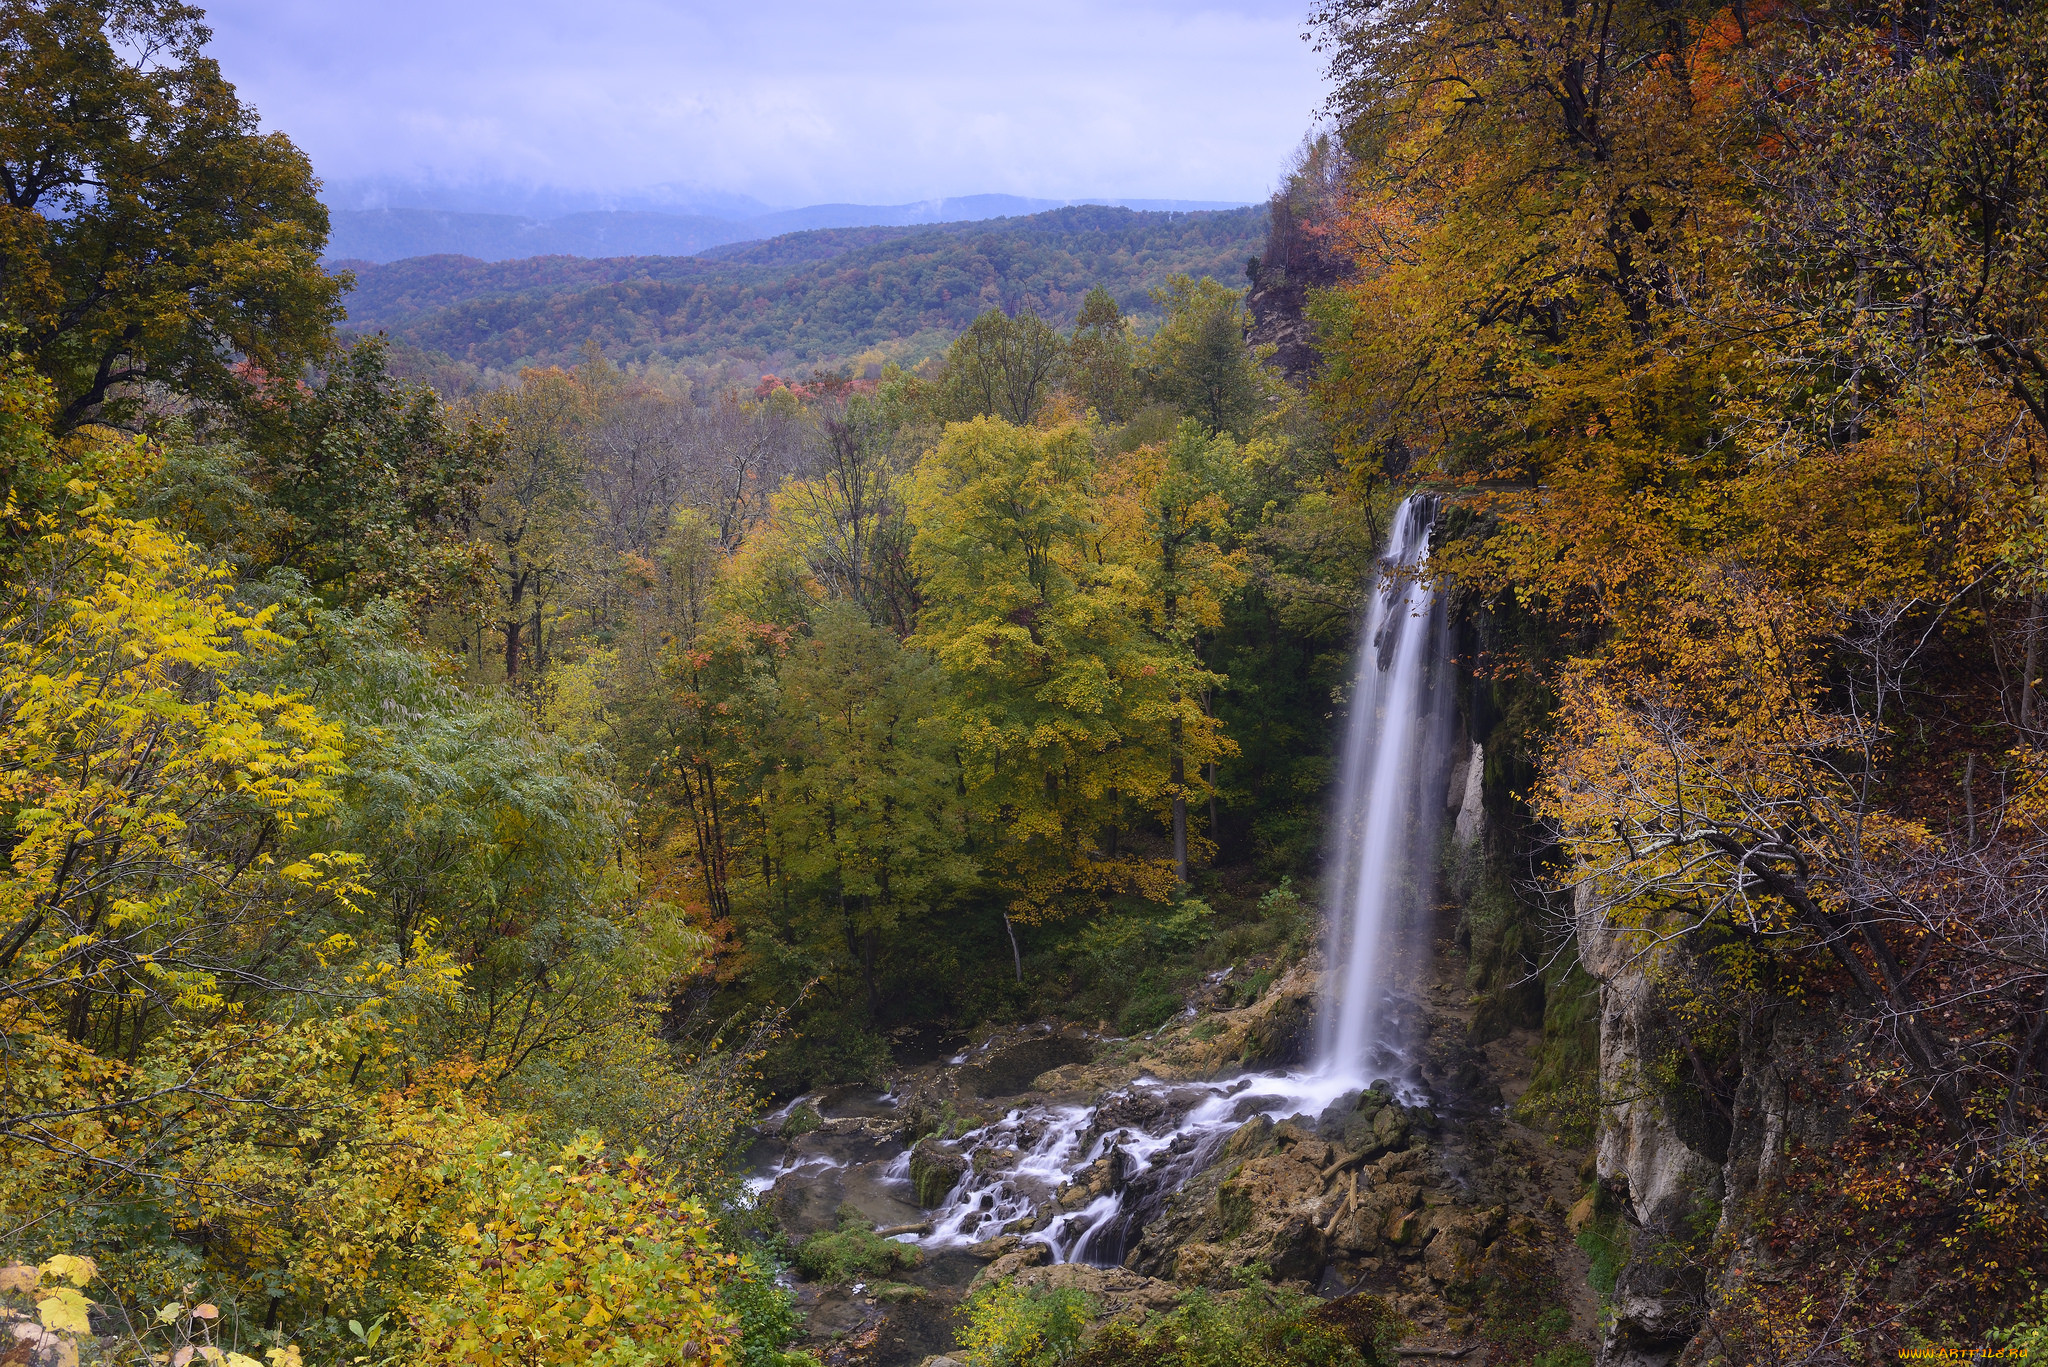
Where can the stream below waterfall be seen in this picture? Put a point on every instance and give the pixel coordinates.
(1083, 1180)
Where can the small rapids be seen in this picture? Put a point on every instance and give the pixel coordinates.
(1097, 1175)
(1084, 1181)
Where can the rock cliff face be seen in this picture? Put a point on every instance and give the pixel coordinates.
(1298, 257)
(1641, 1155)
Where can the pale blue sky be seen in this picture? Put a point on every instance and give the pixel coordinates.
(793, 103)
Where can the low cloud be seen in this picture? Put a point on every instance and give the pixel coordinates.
(789, 103)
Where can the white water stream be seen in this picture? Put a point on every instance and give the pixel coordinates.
(1155, 1135)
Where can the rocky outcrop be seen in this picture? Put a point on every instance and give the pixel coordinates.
(1300, 255)
(1116, 1290)
(1337, 1198)
(1641, 1154)
(1010, 1069)
(934, 1171)
(1273, 1032)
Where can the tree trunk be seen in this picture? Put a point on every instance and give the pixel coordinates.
(540, 644)
(2033, 663)
(513, 630)
(1015, 953)
(515, 621)
(1970, 797)
(1209, 776)
(1178, 776)
(867, 975)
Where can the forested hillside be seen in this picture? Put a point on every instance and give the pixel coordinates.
(383, 233)
(459, 837)
(805, 299)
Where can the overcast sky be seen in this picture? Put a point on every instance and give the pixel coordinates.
(792, 102)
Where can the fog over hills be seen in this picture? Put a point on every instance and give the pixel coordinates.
(380, 222)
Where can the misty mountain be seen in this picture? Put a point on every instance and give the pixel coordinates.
(393, 233)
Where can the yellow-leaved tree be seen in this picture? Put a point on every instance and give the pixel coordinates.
(1058, 693)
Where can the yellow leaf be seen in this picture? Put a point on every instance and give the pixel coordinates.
(77, 1271)
(64, 1310)
(17, 1277)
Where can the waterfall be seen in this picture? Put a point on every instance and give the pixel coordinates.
(1389, 807)
(1031, 1169)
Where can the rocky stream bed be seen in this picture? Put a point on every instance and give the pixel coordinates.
(1136, 1168)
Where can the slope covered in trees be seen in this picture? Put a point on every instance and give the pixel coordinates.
(437, 821)
(432, 825)
(1722, 326)
(808, 298)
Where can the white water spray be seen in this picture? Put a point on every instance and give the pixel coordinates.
(1389, 806)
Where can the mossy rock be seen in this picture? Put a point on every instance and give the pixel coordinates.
(934, 1171)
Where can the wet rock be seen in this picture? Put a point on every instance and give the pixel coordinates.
(1009, 1069)
(988, 1250)
(1272, 1032)
(934, 1171)
(987, 1160)
(1073, 1079)
(1249, 1138)
(1402, 1226)
(1148, 1110)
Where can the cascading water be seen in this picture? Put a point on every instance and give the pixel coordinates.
(1390, 804)
(1148, 1138)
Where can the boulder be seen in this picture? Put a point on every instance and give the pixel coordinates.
(1357, 1230)
(1453, 1253)
(1013, 1262)
(1115, 1289)
(1249, 1138)
(934, 1171)
(1009, 1069)
(1202, 1265)
(988, 1250)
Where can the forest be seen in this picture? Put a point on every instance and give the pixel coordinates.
(818, 299)
(467, 790)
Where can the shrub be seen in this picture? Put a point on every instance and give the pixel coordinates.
(1150, 1007)
(590, 1261)
(767, 1316)
(852, 1250)
(1263, 1326)
(1010, 1326)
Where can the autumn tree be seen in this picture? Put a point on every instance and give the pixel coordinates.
(1049, 668)
(1101, 363)
(863, 820)
(533, 511)
(1003, 366)
(1198, 361)
(150, 236)
(1168, 511)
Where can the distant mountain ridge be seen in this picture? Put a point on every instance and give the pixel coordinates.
(389, 233)
(813, 297)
